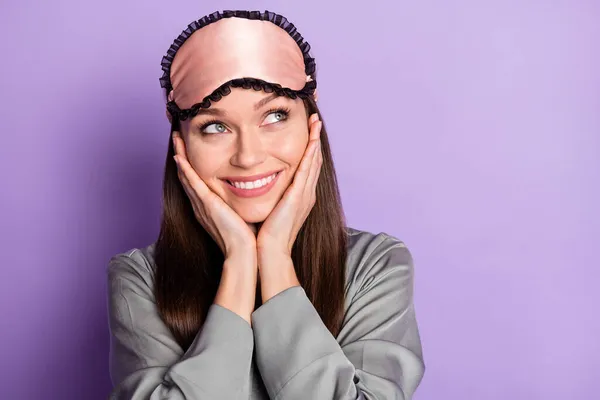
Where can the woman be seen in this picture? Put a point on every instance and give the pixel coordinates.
(255, 288)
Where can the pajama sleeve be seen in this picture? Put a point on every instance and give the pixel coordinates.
(377, 354)
(146, 362)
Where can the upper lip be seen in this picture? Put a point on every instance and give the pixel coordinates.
(251, 178)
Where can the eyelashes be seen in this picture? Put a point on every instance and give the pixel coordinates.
(202, 127)
(279, 110)
(221, 127)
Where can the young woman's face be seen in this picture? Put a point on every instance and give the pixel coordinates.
(246, 147)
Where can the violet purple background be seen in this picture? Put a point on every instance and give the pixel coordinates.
(469, 129)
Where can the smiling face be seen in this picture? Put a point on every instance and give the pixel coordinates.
(246, 147)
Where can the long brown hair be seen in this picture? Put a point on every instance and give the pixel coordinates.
(189, 262)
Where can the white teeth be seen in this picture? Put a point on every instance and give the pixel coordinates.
(254, 185)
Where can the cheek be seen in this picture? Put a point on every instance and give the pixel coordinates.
(204, 160)
(290, 148)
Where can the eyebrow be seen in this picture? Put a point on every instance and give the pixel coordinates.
(265, 100)
(221, 113)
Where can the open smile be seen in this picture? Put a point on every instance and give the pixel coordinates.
(251, 186)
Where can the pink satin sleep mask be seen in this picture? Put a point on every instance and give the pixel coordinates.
(247, 49)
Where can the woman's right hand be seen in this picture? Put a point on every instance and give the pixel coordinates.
(227, 228)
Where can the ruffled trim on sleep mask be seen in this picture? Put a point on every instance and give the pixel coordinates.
(246, 83)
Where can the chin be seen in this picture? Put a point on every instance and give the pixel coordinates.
(253, 215)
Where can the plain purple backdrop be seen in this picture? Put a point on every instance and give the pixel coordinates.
(469, 129)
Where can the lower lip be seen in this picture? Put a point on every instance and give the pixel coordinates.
(253, 192)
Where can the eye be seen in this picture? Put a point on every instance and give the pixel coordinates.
(213, 127)
(276, 116)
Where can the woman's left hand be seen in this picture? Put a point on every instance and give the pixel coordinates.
(278, 232)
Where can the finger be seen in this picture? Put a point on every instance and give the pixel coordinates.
(309, 157)
(303, 169)
(192, 178)
(187, 186)
(174, 138)
(315, 130)
(315, 169)
(178, 144)
(180, 154)
(313, 118)
(296, 188)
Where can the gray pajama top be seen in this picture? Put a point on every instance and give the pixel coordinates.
(287, 353)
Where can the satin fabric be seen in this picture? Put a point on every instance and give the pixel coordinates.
(234, 48)
(287, 353)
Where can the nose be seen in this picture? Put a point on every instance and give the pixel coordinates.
(249, 150)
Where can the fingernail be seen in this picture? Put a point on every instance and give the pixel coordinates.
(176, 162)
